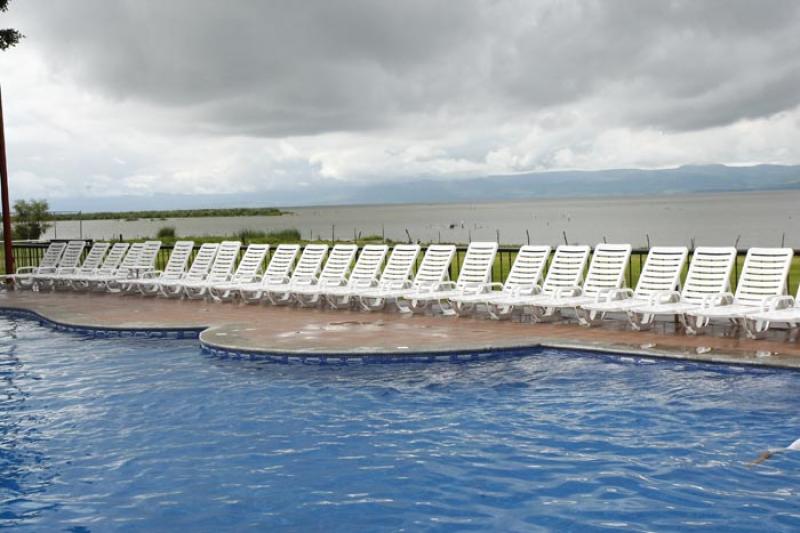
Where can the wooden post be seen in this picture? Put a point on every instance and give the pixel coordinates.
(7, 236)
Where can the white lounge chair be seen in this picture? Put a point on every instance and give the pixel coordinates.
(525, 275)
(146, 262)
(70, 259)
(762, 280)
(23, 279)
(432, 272)
(173, 288)
(708, 277)
(334, 274)
(565, 272)
(278, 272)
(248, 271)
(220, 272)
(174, 270)
(305, 273)
(81, 280)
(661, 273)
(90, 264)
(396, 275)
(781, 310)
(607, 270)
(363, 277)
(474, 276)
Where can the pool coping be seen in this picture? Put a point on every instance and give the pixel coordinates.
(452, 355)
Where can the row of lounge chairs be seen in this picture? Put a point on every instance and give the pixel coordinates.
(372, 281)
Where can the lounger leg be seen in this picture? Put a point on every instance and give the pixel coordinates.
(464, 309)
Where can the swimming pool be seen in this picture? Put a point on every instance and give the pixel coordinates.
(153, 434)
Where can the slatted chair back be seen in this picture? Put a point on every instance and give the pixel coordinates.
(250, 265)
(178, 259)
(528, 268)
(94, 258)
(709, 273)
(338, 264)
(202, 262)
(114, 258)
(607, 268)
(662, 271)
(52, 255)
(309, 264)
(435, 266)
(224, 261)
(71, 257)
(399, 267)
(763, 275)
(281, 263)
(566, 268)
(368, 265)
(148, 256)
(131, 260)
(476, 269)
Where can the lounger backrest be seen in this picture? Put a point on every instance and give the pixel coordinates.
(662, 270)
(607, 269)
(763, 275)
(476, 269)
(338, 264)
(202, 262)
(709, 273)
(368, 265)
(224, 261)
(250, 265)
(309, 264)
(280, 265)
(94, 258)
(435, 266)
(528, 267)
(399, 266)
(52, 254)
(566, 268)
(114, 258)
(71, 257)
(132, 258)
(147, 258)
(178, 259)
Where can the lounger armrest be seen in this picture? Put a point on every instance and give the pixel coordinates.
(26, 270)
(659, 298)
(619, 294)
(715, 300)
(150, 274)
(445, 285)
(778, 302)
(533, 290)
(573, 290)
(46, 270)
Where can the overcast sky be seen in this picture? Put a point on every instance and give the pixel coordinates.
(137, 96)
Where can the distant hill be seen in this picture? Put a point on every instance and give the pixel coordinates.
(538, 185)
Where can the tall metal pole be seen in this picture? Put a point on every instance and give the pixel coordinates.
(7, 236)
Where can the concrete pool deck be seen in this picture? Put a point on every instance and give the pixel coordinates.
(313, 333)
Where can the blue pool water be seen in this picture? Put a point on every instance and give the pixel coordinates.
(154, 435)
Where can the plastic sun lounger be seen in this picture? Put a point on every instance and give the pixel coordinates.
(334, 274)
(565, 272)
(782, 310)
(708, 277)
(90, 264)
(221, 270)
(250, 291)
(661, 273)
(81, 280)
(474, 276)
(70, 259)
(173, 287)
(762, 281)
(144, 263)
(278, 291)
(247, 272)
(432, 272)
(175, 268)
(606, 274)
(526, 274)
(23, 279)
(367, 276)
(395, 276)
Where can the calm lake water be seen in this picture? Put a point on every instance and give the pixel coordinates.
(757, 219)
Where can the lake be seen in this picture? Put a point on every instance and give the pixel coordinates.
(755, 218)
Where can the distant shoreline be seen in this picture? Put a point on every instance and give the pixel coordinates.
(173, 213)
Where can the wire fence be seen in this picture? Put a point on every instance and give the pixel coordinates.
(30, 253)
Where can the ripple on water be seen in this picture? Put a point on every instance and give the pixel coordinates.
(151, 434)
